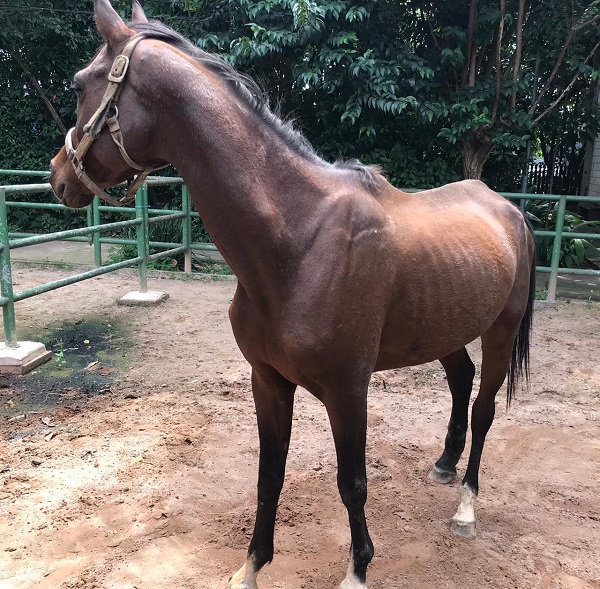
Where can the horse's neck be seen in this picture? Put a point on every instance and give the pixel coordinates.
(256, 196)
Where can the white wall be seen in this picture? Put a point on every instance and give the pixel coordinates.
(594, 178)
(590, 182)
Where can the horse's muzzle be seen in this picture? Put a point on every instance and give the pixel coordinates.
(66, 186)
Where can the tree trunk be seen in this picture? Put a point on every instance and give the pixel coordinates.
(476, 152)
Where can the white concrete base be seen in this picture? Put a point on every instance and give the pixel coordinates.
(143, 299)
(25, 357)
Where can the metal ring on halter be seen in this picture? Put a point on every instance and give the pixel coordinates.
(69, 141)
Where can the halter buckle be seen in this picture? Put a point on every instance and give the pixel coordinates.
(119, 69)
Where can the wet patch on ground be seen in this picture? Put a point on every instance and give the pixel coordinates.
(87, 358)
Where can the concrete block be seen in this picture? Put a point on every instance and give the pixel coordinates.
(24, 358)
(143, 299)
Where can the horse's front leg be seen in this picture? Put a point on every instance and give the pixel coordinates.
(348, 417)
(274, 401)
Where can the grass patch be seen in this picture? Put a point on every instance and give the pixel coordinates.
(201, 264)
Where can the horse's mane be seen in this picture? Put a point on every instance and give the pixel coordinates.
(250, 93)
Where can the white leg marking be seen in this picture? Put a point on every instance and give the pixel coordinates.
(351, 581)
(245, 578)
(463, 522)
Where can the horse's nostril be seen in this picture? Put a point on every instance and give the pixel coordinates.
(59, 189)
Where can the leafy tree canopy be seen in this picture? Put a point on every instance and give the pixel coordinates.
(431, 90)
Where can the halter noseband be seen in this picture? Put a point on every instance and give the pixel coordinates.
(98, 120)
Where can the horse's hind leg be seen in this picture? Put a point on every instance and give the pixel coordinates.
(497, 344)
(274, 401)
(460, 372)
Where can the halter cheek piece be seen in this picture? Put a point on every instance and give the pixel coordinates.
(108, 114)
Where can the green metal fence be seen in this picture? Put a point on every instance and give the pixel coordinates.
(559, 235)
(143, 217)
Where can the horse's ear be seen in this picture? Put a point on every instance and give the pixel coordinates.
(109, 23)
(138, 14)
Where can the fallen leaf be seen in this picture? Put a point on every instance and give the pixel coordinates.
(47, 422)
(91, 365)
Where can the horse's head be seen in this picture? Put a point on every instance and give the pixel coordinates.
(112, 137)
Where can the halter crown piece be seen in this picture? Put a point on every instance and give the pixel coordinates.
(98, 120)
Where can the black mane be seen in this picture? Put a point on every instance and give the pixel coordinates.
(250, 93)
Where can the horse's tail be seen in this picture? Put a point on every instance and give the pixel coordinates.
(519, 358)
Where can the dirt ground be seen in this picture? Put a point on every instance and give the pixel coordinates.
(151, 485)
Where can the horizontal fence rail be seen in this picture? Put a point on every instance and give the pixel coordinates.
(144, 217)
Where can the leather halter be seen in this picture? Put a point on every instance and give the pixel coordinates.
(108, 114)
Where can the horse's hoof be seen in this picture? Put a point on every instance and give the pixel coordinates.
(240, 585)
(444, 477)
(463, 529)
(243, 580)
(352, 584)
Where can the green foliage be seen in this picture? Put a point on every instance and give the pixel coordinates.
(574, 252)
(24, 220)
(385, 81)
(407, 168)
(169, 231)
(200, 263)
(51, 40)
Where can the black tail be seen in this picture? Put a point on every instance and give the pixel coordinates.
(519, 358)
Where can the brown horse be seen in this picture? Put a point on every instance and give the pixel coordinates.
(339, 273)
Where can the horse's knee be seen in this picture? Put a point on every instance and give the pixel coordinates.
(353, 492)
(270, 484)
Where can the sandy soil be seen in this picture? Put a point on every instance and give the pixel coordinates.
(152, 485)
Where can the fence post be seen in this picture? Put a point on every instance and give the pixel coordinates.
(142, 233)
(186, 206)
(556, 248)
(8, 310)
(96, 235)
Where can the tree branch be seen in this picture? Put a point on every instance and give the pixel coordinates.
(566, 90)
(498, 63)
(518, 51)
(572, 32)
(430, 26)
(18, 59)
(468, 72)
